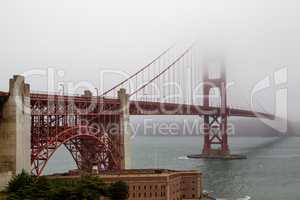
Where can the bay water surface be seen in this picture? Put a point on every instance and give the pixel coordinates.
(270, 172)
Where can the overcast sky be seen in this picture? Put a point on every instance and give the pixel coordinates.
(257, 37)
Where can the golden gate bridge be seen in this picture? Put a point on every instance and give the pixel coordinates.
(94, 128)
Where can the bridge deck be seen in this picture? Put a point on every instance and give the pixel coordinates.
(158, 108)
(150, 108)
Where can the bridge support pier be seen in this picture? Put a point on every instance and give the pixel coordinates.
(215, 133)
(124, 128)
(15, 126)
(215, 145)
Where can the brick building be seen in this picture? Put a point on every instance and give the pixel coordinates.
(154, 184)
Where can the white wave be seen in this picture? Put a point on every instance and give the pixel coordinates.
(245, 198)
(182, 158)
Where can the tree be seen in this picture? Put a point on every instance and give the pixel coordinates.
(19, 182)
(41, 188)
(118, 191)
(20, 186)
(87, 188)
(91, 188)
(26, 187)
(64, 192)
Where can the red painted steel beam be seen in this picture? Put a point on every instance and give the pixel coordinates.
(148, 108)
(248, 113)
(157, 108)
(3, 94)
(67, 98)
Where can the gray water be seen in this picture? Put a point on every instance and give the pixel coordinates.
(271, 172)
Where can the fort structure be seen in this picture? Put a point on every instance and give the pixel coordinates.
(152, 184)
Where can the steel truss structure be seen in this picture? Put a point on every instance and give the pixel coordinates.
(87, 127)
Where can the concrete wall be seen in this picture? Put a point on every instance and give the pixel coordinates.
(4, 179)
(15, 130)
(125, 130)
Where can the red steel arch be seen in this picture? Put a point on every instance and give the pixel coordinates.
(101, 149)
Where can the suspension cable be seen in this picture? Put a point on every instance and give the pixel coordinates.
(166, 69)
(141, 70)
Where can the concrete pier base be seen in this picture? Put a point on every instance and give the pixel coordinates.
(124, 128)
(15, 125)
(217, 155)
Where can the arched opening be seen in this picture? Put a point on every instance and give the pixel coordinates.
(60, 162)
(87, 147)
